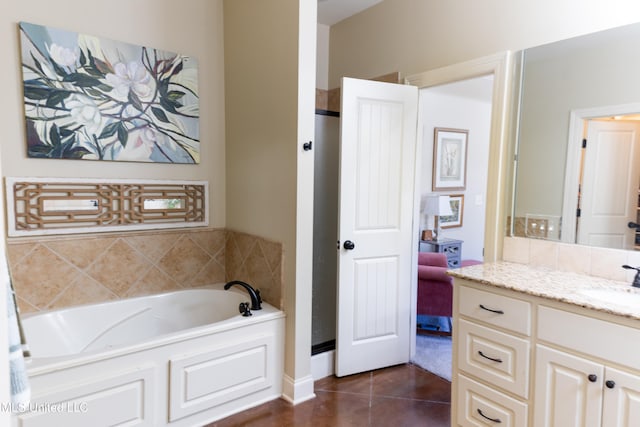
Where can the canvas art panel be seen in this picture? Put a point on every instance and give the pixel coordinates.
(449, 159)
(92, 98)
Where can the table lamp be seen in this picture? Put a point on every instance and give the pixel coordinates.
(437, 205)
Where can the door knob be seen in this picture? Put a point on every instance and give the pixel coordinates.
(349, 245)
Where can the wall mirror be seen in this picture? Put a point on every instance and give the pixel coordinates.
(584, 88)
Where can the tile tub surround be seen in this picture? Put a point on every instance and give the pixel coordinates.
(56, 272)
(552, 284)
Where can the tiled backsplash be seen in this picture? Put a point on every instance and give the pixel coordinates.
(56, 272)
(592, 261)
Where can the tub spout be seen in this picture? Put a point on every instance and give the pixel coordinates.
(254, 294)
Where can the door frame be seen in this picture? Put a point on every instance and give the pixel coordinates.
(577, 121)
(501, 153)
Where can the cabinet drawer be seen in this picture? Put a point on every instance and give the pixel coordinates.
(505, 312)
(494, 356)
(453, 262)
(590, 336)
(479, 405)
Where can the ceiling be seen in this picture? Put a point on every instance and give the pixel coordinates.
(333, 11)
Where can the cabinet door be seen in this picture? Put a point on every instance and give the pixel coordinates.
(621, 399)
(565, 394)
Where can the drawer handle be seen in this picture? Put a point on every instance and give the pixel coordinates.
(489, 358)
(495, 420)
(491, 310)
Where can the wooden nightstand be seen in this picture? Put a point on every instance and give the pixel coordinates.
(450, 247)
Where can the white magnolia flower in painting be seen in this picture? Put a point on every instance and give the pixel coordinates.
(130, 77)
(63, 56)
(84, 111)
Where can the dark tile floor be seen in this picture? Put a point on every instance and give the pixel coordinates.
(404, 395)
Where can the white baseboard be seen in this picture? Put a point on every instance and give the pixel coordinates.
(322, 365)
(297, 391)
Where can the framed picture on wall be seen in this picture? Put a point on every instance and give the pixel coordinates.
(93, 98)
(457, 208)
(449, 159)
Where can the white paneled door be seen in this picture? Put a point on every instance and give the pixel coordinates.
(377, 167)
(610, 188)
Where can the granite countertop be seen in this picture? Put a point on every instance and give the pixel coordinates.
(609, 296)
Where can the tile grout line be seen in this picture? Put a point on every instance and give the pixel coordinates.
(369, 420)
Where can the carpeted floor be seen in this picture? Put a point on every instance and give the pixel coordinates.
(433, 353)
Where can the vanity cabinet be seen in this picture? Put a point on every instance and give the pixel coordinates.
(576, 391)
(492, 358)
(521, 360)
(584, 371)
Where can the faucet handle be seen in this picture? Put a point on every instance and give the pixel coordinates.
(244, 309)
(636, 279)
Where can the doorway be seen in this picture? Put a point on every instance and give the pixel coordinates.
(609, 181)
(499, 158)
(627, 117)
(463, 105)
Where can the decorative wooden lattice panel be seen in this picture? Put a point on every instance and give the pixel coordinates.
(63, 206)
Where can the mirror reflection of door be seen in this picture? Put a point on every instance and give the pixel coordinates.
(609, 190)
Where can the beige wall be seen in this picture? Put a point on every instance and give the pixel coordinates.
(194, 28)
(269, 178)
(322, 57)
(412, 36)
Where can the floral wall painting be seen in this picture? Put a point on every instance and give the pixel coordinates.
(93, 98)
(457, 208)
(449, 159)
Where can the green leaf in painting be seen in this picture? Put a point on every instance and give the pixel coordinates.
(104, 87)
(54, 135)
(83, 58)
(81, 80)
(58, 69)
(77, 153)
(135, 101)
(56, 97)
(93, 92)
(36, 93)
(160, 114)
(109, 130)
(40, 151)
(163, 87)
(175, 95)
(64, 132)
(123, 134)
(38, 65)
(96, 66)
(168, 105)
(93, 71)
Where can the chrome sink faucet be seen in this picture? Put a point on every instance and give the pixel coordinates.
(636, 279)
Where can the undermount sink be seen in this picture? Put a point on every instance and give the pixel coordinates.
(614, 296)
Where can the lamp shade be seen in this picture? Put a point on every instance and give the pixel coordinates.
(436, 204)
